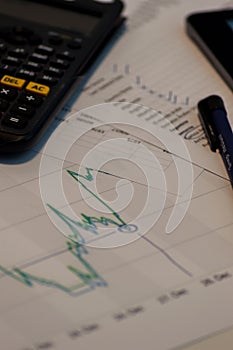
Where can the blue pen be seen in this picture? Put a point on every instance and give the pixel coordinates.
(213, 117)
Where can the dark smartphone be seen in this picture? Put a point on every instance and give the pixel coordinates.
(45, 47)
(212, 32)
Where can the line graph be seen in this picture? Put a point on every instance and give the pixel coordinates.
(88, 278)
(90, 223)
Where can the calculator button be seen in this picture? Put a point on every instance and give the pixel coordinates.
(75, 44)
(11, 61)
(13, 81)
(7, 69)
(15, 121)
(38, 88)
(18, 52)
(58, 63)
(30, 99)
(4, 105)
(66, 55)
(37, 57)
(34, 66)
(44, 49)
(54, 72)
(24, 110)
(48, 80)
(24, 73)
(8, 93)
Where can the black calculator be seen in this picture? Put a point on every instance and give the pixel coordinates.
(45, 46)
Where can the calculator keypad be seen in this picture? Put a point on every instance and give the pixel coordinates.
(30, 70)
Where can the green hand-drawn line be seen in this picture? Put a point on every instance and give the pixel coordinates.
(90, 223)
(88, 278)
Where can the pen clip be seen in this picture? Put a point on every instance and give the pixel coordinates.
(205, 107)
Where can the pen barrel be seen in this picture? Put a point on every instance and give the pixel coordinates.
(224, 135)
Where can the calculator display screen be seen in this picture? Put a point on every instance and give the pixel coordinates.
(49, 15)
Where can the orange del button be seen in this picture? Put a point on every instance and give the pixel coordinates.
(38, 88)
(13, 81)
